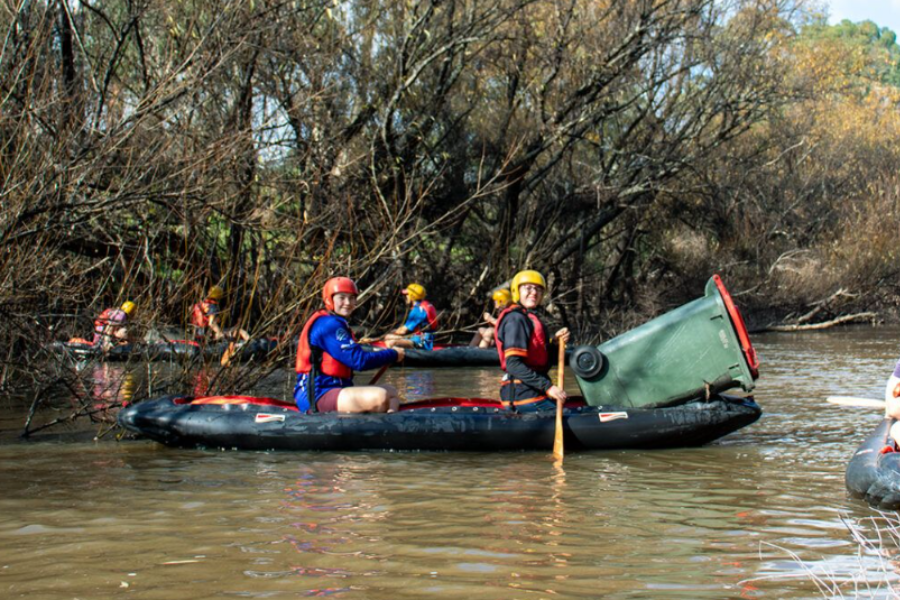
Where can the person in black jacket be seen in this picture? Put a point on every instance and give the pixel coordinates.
(525, 350)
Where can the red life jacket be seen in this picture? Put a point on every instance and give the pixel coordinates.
(106, 318)
(537, 354)
(330, 366)
(200, 313)
(431, 313)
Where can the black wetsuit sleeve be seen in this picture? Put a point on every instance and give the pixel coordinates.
(518, 369)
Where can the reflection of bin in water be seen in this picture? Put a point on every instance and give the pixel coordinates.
(699, 349)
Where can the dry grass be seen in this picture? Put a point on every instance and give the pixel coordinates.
(877, 562)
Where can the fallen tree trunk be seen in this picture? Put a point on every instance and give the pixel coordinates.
(864, 316)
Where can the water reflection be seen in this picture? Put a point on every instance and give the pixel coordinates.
(417, 384)
(201, 382)
(483, 382)
(102, 388)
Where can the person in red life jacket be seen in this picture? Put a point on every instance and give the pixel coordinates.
(422, 322)
(206, 316)
(327, 355)
(524, 348)
(484, 337)
(109, 327)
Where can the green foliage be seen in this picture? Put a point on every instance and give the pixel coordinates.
(877, 46)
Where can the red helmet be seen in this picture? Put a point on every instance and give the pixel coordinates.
(337, 285)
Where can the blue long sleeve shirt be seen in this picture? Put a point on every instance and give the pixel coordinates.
(331, 334)
(417, 318)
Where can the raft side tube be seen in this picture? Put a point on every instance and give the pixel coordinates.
(440, 424)
(873, 474)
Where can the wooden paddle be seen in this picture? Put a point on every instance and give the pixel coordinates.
(558, 437)
(854, 401)
(229, 352)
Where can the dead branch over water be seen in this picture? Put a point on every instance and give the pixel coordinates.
(628, 148)
(867, 316)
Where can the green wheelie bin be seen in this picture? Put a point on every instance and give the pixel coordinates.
(692, 352)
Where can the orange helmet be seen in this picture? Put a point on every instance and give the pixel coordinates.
(337, 285)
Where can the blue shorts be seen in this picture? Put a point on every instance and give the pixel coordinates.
(423, 341)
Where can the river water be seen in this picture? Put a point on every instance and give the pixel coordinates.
(762, 513)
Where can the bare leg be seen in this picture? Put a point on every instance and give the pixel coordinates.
(236, 332)
(368, 398)
(487, 337)
(396, 341)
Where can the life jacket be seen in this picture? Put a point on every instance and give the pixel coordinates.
(107, 317)
(328, 365)
(431, 313)
(200, 313)
(537, 354)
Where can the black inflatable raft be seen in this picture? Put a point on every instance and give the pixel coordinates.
(246, 423)
(874, 471)
(174, 350)
(452, 356)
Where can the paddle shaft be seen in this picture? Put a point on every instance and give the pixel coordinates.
(558, 436)
(854, 401)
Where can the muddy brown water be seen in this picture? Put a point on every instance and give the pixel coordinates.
(761, 514)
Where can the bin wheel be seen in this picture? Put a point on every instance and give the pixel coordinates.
(587, 361)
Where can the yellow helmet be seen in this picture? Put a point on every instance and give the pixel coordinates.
(216, 293)
(128, 307)
(502, 296)
(415, 292)
(523, 277)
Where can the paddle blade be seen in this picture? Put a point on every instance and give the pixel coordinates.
(558, 437)
(229, 352)
(854, 401)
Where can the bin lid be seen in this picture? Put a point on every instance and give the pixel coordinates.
(739, 327)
